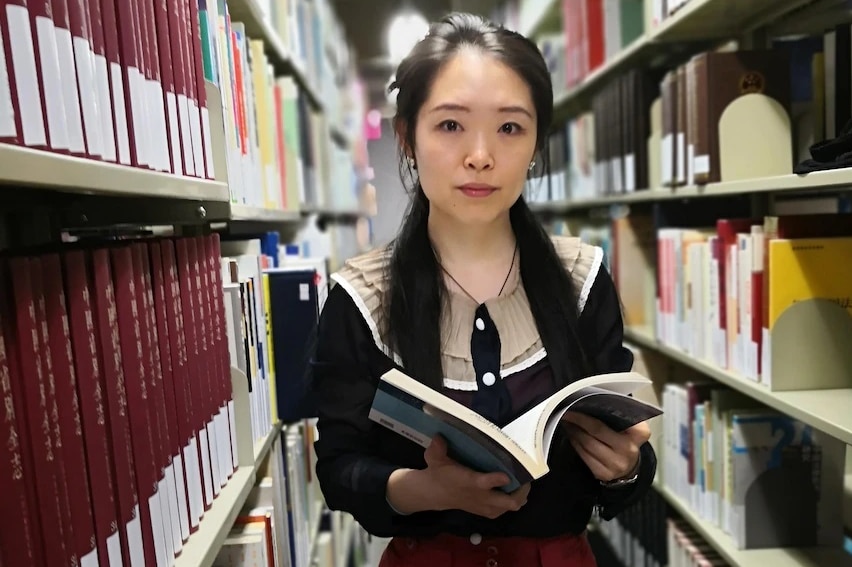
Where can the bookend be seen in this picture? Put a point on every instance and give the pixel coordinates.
(808, 348)
(755, 136)
(242, 417)
(787, 494)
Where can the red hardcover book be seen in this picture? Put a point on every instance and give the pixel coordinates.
(168, 397)
(157, 102)
(201, 91)
(190, 70)
(9, 115)
(195, 382)
(223, 370)
(113, 383)
(181, 376)
(93, 411)
(217, 405)
(153, 149)
(153, 375)
(39, 411)
(167, 75)
(66, 31)
(57, 348)
(726, 230)
(134, 81)
(27, 96)
(20, 540)
(204, 362)
(44, 348)
(119, 98)
(178, 62)
(593, 34)
(47, 60)
(130, 337)
(100, 71)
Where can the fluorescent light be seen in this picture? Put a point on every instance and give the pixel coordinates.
(404, 32)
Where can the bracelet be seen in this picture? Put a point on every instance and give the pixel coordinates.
(624, 481)
(619, 482)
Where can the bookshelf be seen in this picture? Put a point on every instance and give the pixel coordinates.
(648, 218)
(810, 184)
(50, 197)
(22, 167)
(201, 548)
(259, 26)
(777, 557)
(260, 214)
(688, 29)
(826, 410)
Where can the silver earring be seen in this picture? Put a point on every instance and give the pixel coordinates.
(411, 163)
(532, 165)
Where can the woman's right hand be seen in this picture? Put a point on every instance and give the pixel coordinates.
(446, 485)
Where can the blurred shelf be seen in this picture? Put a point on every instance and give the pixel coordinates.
(333, 213)
(541, 16)
(816, 182)
(262, 447)
(260, 214)
(776, 557)
(691, 29)
(22, 168)
(203, 546)
(259, 27)
(341, 136)
(826, 410)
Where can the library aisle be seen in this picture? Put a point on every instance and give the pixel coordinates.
(180, 178)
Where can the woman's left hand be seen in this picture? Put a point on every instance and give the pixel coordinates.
(609, 454)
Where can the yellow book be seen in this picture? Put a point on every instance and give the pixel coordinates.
(270, 353)
(809, 268)
(265, 119)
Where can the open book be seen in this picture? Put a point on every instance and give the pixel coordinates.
(520, 449)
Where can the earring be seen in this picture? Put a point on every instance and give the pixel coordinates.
(532, 165)
(411, 163)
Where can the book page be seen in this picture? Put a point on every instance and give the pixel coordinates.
(534, 430)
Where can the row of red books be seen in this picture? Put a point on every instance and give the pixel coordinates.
(118, 414)
(115, 80)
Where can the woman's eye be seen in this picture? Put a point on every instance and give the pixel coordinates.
(449, 125)
(510, 128)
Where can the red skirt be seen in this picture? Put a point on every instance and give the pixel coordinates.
(453, 551)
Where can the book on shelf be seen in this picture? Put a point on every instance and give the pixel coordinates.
(519, 449)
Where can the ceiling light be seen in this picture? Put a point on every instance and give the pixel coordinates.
(403, 34)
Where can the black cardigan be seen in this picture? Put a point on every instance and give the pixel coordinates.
(356, 456)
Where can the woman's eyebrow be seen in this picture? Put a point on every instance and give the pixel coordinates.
(452, 106)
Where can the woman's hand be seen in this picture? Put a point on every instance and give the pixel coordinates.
(609, 454)
(446, 485)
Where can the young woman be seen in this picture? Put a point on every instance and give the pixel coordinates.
(474, 299)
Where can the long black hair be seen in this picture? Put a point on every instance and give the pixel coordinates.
(417, 290)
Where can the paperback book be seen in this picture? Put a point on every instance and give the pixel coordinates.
(521, 448)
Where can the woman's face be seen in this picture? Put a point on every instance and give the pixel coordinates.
(475, 138)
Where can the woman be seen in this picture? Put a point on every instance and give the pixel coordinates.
(474, 299)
